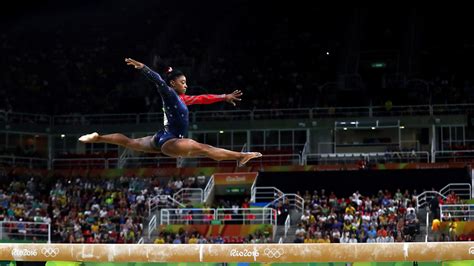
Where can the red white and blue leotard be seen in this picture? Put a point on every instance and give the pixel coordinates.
(176, 114)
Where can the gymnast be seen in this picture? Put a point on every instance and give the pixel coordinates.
(172, 140)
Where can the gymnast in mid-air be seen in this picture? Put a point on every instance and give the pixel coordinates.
(172, 140)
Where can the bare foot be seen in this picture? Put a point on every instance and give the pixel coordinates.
(89, 138)
(248, 156)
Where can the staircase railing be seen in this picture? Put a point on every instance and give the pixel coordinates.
(423, 199)
(189, 195)
(161, 201)
(463, 190)
(208, 189)
(294, 200)
(287, 225)
(122, 160)
(151, 226)
(265, 194)
(427, 225)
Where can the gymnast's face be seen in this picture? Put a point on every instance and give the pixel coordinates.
(179, 84)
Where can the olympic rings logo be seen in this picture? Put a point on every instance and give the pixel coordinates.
(273, 253)
(50, 252)
(471, 250)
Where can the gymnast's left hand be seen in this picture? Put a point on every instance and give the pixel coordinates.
(134, 63)
(234, 96)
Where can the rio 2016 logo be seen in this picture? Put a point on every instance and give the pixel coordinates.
(33, 252)
(24, 252)
(245, 253)
(272, 253)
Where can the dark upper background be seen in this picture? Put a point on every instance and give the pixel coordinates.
(59, 58)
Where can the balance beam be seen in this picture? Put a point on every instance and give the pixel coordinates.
(362, 252)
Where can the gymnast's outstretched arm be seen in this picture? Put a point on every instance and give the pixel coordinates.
(212, 98)
(163, 88)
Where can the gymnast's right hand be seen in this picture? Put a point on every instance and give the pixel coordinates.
(134, 63)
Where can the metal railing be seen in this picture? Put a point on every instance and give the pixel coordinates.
(162, 201)
(187, 216)
(200, 116)
(423, 199)
(253, 190)
(121, 159)
(265, 160)
(270, 114)
(126, 162)
(401, 110)
(80, 162)
(292, 199)
(449, 143)
(257, 114)
(152, 225)
(29, 162)
(460, 212)
(272, 196)
(24, 118)
(304, 152)
(137, 162)
(453, 156)
(463, 190)
(278, 159)
(287, 225)
(102, 119)
(247, 215)
(16, 230)
(223, 215)
(372, 157)
(334, 147)
(208, 189)
(427, 226)
(189, 195)
(449, 109)
(205, 162)
(265, 194)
